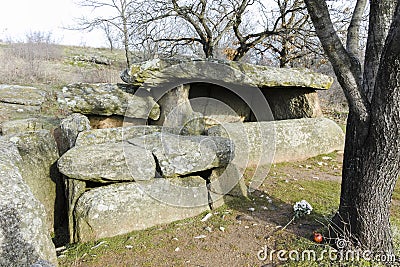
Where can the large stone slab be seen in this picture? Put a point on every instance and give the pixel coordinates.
(74, 189)
(121, 208)
(179, 155)
(259, 143)
(24, 236)
(99, 136)
(177, 112)
(69, 129)
(108, 162)
(242, 73)
(292, 103)
(107, 99)
(21, 95)
(24, 125)
(67, 133)
(39, 154)
(227, 181)
(12, 111)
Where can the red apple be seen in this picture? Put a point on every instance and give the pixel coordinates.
(318, 237)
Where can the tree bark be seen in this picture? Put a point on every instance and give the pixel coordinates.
(381, 13)
(372, 151)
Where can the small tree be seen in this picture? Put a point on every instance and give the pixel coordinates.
(120, 20)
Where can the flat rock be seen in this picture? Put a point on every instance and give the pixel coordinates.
(39, 153)
(224, 71)
(259, 143)
(24, 236)
(107, 99)
(179, 155)
(108, 162)
(24, 125)
(21, 95)
(69, 129)
(121, 208)
(293, 103)
(12, 111)
(118, 134)
(227, 181)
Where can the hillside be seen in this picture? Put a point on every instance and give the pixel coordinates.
(52, 65)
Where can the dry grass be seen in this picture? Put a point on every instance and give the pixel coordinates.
(55, 65)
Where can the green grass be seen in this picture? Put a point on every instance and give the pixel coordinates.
(322, 195)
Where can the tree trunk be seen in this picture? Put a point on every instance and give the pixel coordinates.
(371, 164)
(208, 49)
(371, 169)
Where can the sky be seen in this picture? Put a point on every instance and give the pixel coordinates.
(19, 17)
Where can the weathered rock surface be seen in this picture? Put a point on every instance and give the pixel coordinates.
(12, 111)
(24, 125)
(21, 95)
(24, 236)
(177, 112)
(281, 141)
(107, 99)
(290, 92)
(218, 104)
(108, 162)
(121, 208)
(260, 76)
(227, 181)
(99, 136)
(102, 122)
(74, 189)
(39, 154)
(293, 103)
(70, 127)
(179, 155)
(68, 131)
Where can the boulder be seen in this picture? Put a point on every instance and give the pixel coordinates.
(102, 122)
(24, 236)
(68, 131)
(70, 127)
(21, 95)
(108, 162)
(74, 189)
(292, 103)
(121, 208)
(24, 125)
(179, 155)
(225, 183)
(291, 93)
(12, 111)
(107, 99)
(259, 143)
(99, 136)
(177, 112)
(228, 72)
(39, 154)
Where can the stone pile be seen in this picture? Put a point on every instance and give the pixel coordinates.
(172, 142)
(132, 178)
